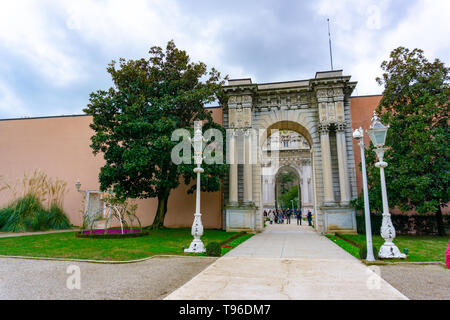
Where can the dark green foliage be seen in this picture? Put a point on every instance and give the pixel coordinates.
(404, 224)
(375, 223)
(28, 214)
(57, 219)
(286, 197)
(363, 252)
(134, 121)
(415, 105)
(213, 249)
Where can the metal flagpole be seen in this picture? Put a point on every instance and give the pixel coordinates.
(329, 40)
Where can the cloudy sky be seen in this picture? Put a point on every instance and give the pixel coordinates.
(54, 53)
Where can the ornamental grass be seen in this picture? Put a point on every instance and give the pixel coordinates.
(38, 208)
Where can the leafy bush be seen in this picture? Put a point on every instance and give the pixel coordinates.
(213, 249)
(363, 252)
(28, 214)
(57, 219)
(404, 224)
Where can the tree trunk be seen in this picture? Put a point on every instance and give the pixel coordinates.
(158, 221)
(440, 222)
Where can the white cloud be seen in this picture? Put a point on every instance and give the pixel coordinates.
(26, 32)
(10, 104)
(116, 27)
(67, 43)
(363, 37)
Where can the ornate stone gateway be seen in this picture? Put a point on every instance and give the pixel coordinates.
(319, 111)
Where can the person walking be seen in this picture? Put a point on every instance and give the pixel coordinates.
(271, 216)
(309, 218)
(288, 216)
(299, 217)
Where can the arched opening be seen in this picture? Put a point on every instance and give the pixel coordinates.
(287, 168)
(287, 188)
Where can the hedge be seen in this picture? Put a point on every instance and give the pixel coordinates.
(403, 224)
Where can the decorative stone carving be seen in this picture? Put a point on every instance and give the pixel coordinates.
(323, 114)
(322, 93)
(331, 112)
(337, 92)
(340, 126)
(320, 106)
(340, 117)
(247, 118)
(324, 128)
(232, 100)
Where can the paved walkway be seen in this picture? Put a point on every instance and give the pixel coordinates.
(287, 262)
(23, 234)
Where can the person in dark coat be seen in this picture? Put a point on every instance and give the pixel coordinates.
(298, 215)
(309, 216)
(288, 216)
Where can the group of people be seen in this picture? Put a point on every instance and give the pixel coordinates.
(281, 215)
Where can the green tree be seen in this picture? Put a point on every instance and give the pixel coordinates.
(134, 121)
(285, 178)
(415, 104)
(286, 197)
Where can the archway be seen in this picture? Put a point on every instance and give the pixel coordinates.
(286, 150)
(317, 109)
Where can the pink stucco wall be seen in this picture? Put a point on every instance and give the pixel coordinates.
(59, 146)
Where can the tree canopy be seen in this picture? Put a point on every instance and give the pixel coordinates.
(134, 121)
(415, 104)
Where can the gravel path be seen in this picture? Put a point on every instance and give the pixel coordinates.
(419, 282)
(151, 279)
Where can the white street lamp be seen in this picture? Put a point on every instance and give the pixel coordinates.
(197, 227)
(358, 134)
(377, 134)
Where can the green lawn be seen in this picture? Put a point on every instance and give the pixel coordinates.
(66, 245)
(233, 244)
(354, 251)
(420, 248)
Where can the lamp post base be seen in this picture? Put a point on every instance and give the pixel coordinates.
(196, 247)
(197, 231)
(390, 251)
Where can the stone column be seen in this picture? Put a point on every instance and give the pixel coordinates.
(326, 165)
(248, 177)
(342, 162)
(233, 182)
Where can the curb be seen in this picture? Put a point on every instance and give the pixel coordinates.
(102, 261)
(384, 263)
(37, 233)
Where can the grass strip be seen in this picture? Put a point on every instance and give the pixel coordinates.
(354, 251)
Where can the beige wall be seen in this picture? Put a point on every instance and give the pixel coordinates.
(60, 147)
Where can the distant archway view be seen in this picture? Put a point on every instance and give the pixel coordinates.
(286, 173)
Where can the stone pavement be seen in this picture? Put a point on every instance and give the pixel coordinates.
(287, 262)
